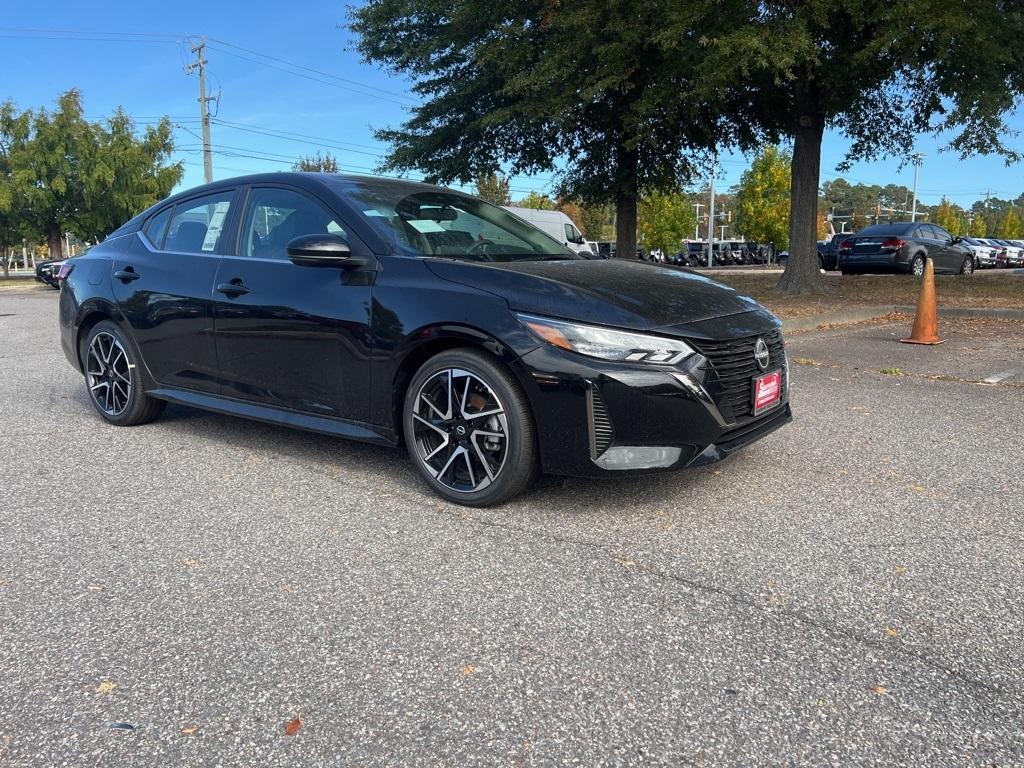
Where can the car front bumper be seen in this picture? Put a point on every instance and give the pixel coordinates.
(597, 419)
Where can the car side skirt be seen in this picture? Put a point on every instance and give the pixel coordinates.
(270, 415)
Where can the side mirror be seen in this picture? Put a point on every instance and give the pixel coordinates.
(956, 240)
(324, 250)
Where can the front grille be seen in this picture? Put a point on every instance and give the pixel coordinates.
(601, 431)
(733, 361)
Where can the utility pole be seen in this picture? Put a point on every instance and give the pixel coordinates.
(199, 49)
(711, 214)
(918, 157)
(696, 228)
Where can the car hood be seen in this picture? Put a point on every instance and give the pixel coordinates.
(621, 293)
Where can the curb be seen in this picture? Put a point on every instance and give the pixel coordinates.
(851, 316)
(994, 312)
(846, 317)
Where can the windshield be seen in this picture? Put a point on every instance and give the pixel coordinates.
(454, 226)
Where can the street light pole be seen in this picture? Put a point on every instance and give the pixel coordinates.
(917, 168)
(696, 227)
(711, 214)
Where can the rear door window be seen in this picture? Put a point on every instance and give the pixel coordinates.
(197, 224)
(156, 227)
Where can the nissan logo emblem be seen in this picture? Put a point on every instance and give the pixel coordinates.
(460, 430)
(761, 354)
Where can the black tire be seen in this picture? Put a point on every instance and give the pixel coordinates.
(967, 268)
(912, 267)
(518, 467)
(122, 386)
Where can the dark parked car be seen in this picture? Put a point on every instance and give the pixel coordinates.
(46, 272)
(828, 252)
(903, 247)
(394, 312)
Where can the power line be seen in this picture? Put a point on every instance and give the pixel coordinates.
(321, 80)
(303, 67)
(264, 59)
(311, 141)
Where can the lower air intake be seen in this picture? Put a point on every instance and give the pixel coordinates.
(600, 425)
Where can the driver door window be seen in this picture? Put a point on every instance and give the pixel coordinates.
(274, 217)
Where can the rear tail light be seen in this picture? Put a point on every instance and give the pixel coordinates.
(846, 245)
(892, 244)
(65, 270)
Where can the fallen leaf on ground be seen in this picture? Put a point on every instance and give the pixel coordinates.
(190, 562)
(190, 730)
(292, 726)
(107, 686)
(881, 690)
(469, 670)
(900, 570)
(890, 632)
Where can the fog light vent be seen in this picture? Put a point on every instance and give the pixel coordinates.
(601, 431)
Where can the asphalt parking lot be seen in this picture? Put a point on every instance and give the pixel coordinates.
(847, 591)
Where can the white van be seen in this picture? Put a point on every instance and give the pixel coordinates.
(554, 224)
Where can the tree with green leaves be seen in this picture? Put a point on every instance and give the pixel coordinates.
(66, 174)
(665, 220)
(1010, 227)
(321, 162)
(585, 90)
(951, 218)
(799, 68)
(596, 220)
(493, 188)
(978, 226)
(763, 198)
(538, 201)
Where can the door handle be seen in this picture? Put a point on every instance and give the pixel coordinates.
(127, 274)
(235, 288)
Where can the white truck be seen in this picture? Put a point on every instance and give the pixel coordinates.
(554, 224)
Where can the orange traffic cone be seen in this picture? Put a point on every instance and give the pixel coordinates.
(926, 321)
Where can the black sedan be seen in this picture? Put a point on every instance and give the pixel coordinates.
(904, 247)
(47, 271)
(393, 312)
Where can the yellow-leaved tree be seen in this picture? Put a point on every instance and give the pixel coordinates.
(951, 218)
(763, 198)
(1010, 227)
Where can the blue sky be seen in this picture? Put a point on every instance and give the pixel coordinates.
(308, 110)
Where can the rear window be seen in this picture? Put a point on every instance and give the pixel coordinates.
(879, 230)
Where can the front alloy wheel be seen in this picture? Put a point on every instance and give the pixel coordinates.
(469, 430)
(460, 430)
(967, 268)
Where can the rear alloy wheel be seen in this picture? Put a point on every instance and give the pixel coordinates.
(917, 265)
(967, 268)
(469, 430)
(111, 375)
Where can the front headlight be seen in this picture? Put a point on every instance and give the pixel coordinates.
(608, 344)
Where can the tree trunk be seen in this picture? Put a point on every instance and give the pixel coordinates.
(54, 241)
(6, 259)
(625, 204)
(802, 275)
